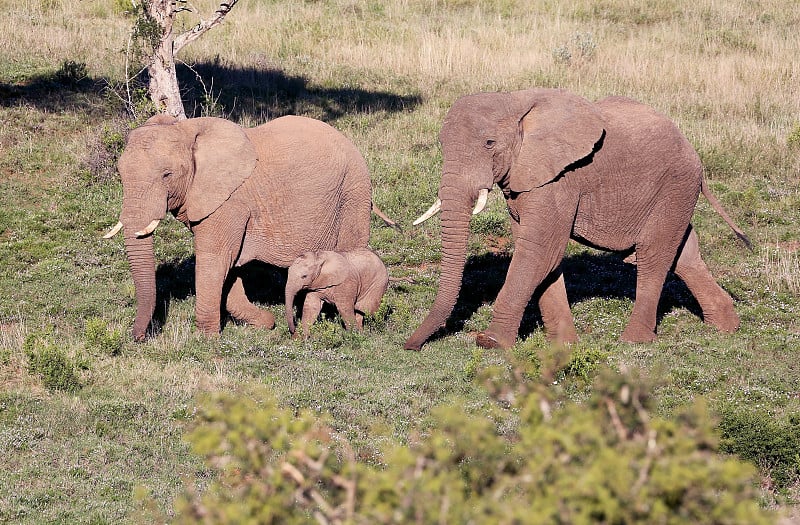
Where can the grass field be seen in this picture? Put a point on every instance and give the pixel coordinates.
(91, 423)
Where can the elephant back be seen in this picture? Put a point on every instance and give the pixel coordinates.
(312, 187)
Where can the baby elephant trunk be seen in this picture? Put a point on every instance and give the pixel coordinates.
(291, 292)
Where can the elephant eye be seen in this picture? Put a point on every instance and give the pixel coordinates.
(166, 175)
(490, 143)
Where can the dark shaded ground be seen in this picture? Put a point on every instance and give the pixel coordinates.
(233, 91)
(587, 275)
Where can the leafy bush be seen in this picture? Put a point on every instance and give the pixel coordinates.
(772, 444)
(50, 363)
(794, 138)
(102, 338)
(608, 460)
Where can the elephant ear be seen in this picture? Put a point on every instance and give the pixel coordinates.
(333, 271)
(223, 158)
(559, 131)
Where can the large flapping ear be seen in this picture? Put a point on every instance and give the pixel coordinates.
(559, 130)
(333, 271)
(224, 158)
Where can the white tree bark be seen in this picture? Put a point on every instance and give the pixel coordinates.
(163, 87)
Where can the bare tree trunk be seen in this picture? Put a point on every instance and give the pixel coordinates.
(164, 89)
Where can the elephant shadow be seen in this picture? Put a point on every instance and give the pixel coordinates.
(264, 285)
(587, 275)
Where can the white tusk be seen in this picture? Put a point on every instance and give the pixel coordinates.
(113, 231)
(150, 229)
(433, 210)
(483, 196)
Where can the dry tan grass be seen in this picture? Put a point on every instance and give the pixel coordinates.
(781, 267)
(709, 54)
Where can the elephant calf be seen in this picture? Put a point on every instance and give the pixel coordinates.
(354, 281)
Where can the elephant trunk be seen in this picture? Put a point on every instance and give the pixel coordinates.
(142, 262)
(291, 292)
(455, 233)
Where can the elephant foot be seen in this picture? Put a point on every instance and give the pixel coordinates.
(263, 319)
(638, 333)
(562, 334)
(489, 339)
(208, 331)
(727, 321)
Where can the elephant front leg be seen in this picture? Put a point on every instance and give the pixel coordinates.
(312, 306)
(240, 307)
(530, 265)
(210, 274)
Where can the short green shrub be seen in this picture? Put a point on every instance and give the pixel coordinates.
(50, 363)
(794, 138)
(607, 460)
(772, 444)
(101, 338)
(71, 73)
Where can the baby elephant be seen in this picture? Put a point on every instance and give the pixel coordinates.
(353, 281)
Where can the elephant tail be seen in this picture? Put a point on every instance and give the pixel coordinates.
(386, 220)
(717, 205)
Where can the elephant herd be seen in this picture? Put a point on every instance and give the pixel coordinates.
(296, 193)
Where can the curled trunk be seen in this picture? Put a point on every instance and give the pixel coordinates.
(143, 270)
(455, 233)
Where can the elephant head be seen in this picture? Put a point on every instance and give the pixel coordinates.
(313, 271)
(520, 141)
(187, 167)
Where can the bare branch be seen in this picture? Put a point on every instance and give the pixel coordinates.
(204, 25)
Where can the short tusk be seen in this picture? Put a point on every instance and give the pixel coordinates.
(113, 231)
(150, 229)
(433, 210)
(483, 196)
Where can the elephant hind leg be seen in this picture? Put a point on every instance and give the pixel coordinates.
(717, 305)
(240, 307)
(554, 307)
(653, 262)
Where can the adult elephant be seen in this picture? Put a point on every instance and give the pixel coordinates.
(267, 193)
(614, 174)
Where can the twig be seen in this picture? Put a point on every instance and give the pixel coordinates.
(620, 428)
(203, 26)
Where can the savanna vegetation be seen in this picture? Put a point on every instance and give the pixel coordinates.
(95, 428)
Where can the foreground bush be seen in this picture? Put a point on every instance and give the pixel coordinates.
(605, 460)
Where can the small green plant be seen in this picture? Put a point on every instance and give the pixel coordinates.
(793, 141)
(102, 338)
(71, 73)
(50, 363)
(585, 362)
(582, 47)
(329, 333)
(772, 444)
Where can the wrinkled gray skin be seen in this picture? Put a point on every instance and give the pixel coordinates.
(353, 281)
(615, 175)
(267, 193)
